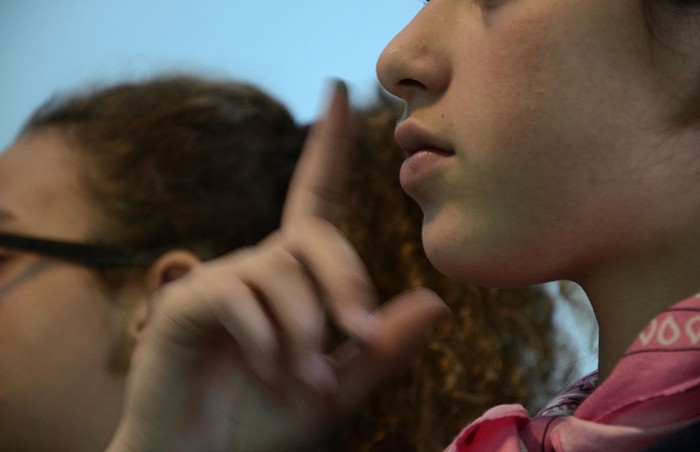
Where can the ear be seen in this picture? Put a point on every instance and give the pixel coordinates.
(170, 266)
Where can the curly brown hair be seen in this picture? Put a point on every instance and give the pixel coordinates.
(500, 349)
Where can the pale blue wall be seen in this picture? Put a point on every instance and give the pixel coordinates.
(288, 47)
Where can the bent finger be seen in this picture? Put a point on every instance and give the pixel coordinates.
(292, 301)
(408, 323)
(198, 309)
(345, 286)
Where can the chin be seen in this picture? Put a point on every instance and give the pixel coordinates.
(480, 273)
(480, 266)
(447, 258)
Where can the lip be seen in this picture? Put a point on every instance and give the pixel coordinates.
(412, 139)
(425, 154)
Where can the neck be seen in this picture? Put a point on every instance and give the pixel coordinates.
(626, 296)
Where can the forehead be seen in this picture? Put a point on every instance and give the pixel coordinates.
(40, 191)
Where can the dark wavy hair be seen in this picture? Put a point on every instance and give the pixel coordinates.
(179, 161)
(502, 348)
(665, 18)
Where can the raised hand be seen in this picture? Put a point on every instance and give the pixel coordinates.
(234, 357)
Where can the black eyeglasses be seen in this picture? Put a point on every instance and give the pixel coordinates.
(80, 253)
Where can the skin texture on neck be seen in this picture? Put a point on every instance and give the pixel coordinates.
(627, 296)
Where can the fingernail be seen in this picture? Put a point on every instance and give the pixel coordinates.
(341, 86)
(318, 374)
(365, 328)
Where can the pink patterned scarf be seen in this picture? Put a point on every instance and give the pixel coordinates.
(653, 391)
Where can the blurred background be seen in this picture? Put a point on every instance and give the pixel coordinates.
(289, 48)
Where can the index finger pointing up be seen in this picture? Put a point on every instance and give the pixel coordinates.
(317, 187)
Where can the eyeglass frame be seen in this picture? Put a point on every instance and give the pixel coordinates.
(87, 254)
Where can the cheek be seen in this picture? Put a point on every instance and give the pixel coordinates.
(502, 99)
(517, 118)
(56, 335)
(54, 325)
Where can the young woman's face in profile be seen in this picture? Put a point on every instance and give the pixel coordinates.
(57, 329)
(534, 129)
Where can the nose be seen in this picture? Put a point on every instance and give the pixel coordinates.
(414, 65)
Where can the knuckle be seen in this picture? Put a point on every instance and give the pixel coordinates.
(281, 261)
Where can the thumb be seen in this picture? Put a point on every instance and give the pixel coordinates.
(407, 323)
